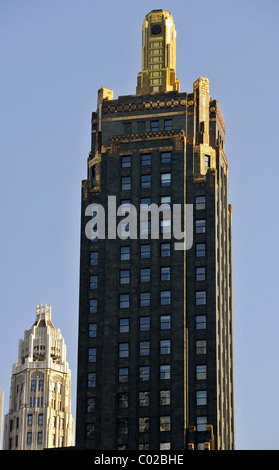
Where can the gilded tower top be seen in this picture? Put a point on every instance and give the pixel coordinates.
(158, 72)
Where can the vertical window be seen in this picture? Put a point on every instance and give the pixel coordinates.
(126, 161)
(91, 354)
(29, 438)
(200, 297)
(144, 424)
(123, 400)
(165, 423)
(200, 273)
(145, 251)
(145, 275)
(29, 420)
(144, 373)
(165, 157)
(200, 226)
(140, 127)
(200, 250)
(91, 379)
(122, 426)
(165, 397)
(144, 323)
(145, 299)
(41, 384)
(200, 202)
(127, 127)
(144, 398)
(124, 276)
(124, 300)
(165, 297)
(145, 181)
(91, 404)
(90, 431)
(154, 126)
(165, 250)
(94, 258)
(94, 282)
(165, 273)
(40, 419)
(124, 324)
(165, 322)
(201, 423)
(165, 179)
(146, 159)
(201, 346)
(168, 124)
(124, 253)
(165, 346)
(165, 372)
(40, 437)
(33, 384)
(166, 200)
(200, 322)
(92, 330)
(123, 374)
(145, 203)
(201, 397)
(165, 227)
(144, 348)
(125, 183)
(123, 350)
(207, 161)
(201, 372)
(93, 304)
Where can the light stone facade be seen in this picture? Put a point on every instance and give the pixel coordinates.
(40, 394)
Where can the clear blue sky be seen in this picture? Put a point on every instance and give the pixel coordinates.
(54, 57)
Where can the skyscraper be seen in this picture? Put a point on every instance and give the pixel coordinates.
(40, 394)
(155, 363)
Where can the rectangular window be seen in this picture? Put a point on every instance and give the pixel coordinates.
(165, 322)
(200, 226)
(122, 426)
(127, 127)
(145, 228)
(91, 404)
(144, 348)
(124, 324)
(201, 423)
(154, 126)
(201, 297)
(140, 127)
(207, 161)
(94, 258)
(91, 354)
(126, 161)
(201, 372)
(91, 379)
(93, 304)
(145, 181)
(165, 372)
(200, 203)
(165, 227)
(123, 400)
(145, 275)
(166, 200)
(201, 397)
(165, 179)
(146, 159)
(201, 322)
(201, 346)
(200, 273)
(145, 203)
(145, 299)
(124, 276)
(145, 251)
(94, 282)
(29, 420)
(165, 397)
(165, 423)
(29, 438)
(125, 183)
(165, 157)
(123, 374)
(144, 323)
(90, 431)
(40, 419)
(124, 300)
(165, 297)
(124, 253)
(165, 250)
(200, 250)
(168, 124)
(40, 437)
(125, 206)
(144, 424)
(144, 398)
(144, 373)
(92, 330)
(123, 350)
(165, 346)
(165, 273)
